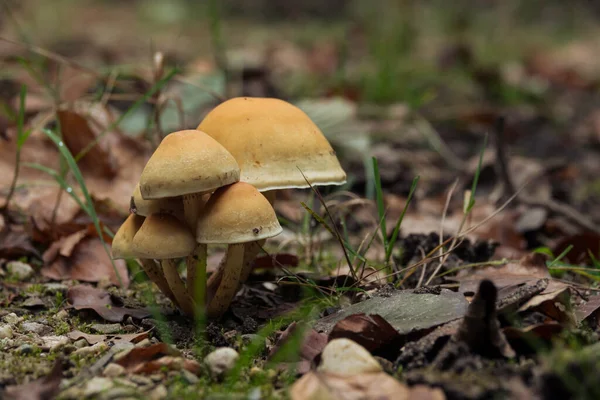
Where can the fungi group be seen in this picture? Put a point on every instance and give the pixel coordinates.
(216, 185)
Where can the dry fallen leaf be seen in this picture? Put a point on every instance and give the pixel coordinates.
(84, 297)
(45, 388)
(116, 338)
(312, 345)
(372, 332)
(84, 258)
(147, 360)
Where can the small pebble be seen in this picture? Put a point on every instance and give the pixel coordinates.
(346, 357)
(106, 328)
(97, 385)
(35, 327)
(54, 343)
(189, 377)
(143, 343)
(158, 393)
(113, 370)
(221, 360)
(6, 332)
(61, 315)
(19, 270)
(141, 380)
(97, 348)
(12, 319)
(81, 343)
(25, 349)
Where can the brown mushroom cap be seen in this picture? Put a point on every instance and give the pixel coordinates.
(237, 213)
(122, 242)
(187, 162)
(162, 236)
(272, 141)
(167, 205)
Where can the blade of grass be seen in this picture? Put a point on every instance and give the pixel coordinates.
(560, 256)
(22, 137)
(396, 231)
(72, 164)
(380, 203)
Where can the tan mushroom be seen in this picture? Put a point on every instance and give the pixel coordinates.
(167, 205)
(277, 146)
(234, 215)
(190, 164)
(122, 249)
(163, 237)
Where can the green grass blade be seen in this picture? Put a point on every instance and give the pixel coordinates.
(21, 134)
(476, 177)
(72, 164)
(379, 201)
(560, 256)
(396, 232)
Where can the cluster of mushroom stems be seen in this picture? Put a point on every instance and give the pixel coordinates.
(217, 185)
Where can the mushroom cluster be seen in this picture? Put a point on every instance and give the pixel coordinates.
(217, 185)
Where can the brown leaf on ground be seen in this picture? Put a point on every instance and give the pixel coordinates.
(589, 311)
(372, 332)
(526, 340)
(379, 385)
(84, 297)
(116, 338)
(582, 244)
(45, 388)
(77, 135)
(312, 345)
(276, 261)
(170, 363)
(138, 358)
(84, 258)
(15, 242)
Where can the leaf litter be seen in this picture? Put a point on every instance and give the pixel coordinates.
(483, 325)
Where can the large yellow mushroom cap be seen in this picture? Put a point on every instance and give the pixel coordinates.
(272, 141)
(187, 162)
(162, 236)
(237, 213)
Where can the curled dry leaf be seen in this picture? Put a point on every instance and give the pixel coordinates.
(116, 338)
(77, 133)
(588, 311)
(84, 297)
(82, 257)
(312, 345)
(41, 389)
(147, 360)
(15, 242)
(372, 332)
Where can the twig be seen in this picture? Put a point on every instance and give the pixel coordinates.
(549, 204)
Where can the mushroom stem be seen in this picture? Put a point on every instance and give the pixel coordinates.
(178, 287)
(196, 278)
(229, 282)
(156, 275)
(195, 262)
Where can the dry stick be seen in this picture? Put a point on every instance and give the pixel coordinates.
(549, 204)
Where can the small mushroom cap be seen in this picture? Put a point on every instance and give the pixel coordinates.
(162, 236)
(167, 205)
(237, 213)
(187, 162)
(122, 242)
(272, 141)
